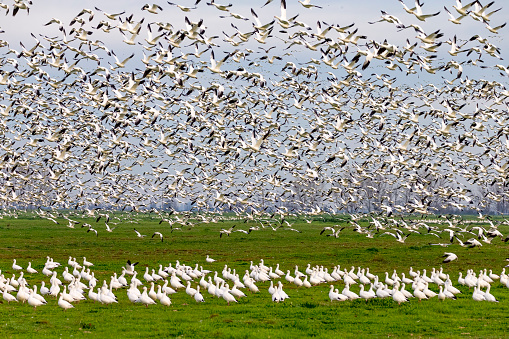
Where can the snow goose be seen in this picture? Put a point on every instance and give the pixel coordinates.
(288, 277)
(272, 289)
(407, 294)
(152, 293)
(189, 290)
(350, 294)
(282, 294)
(86, 262)
(478, 295)
(46, 271)
(122, 280)
(388, 280)
(236, 292)
(398, 297)
(333, 296)
(298, 281)
(64, 304)
(8, 297)
(15, 266)
(135, 279)
(278, 271)
(198, 296)
(44, 290)
(92, 295)
(370, 276)
(275, 296)
(147, 276)
(227, 296)
(164, 299)
(133, 294)
(211, 287)
(23, 294)
(488, 296)
(66, 275)
(306, 283)
(129, 267)
(209, 259)
(156, 276)
(54, 290)
(441, 294)
(30, 269)
(420, 295)
(366, 294)
(167, 289)
(252, 287)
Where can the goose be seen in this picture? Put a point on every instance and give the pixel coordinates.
(93, 295)
(441, 294)
(139, 235)
(276, 296)
(278, 271)
(227, 296)
(366, 294)
(133, 294)
(488, 296)
(420, 295)
(23, 294)
(151, 293)
(388, 280)
(156, 276)
(15, 266)
(145, 299)
(198, 296)
(189, 290)
(449, 257)
(46, 271)
(236, 292)
(175, 282)
(154, 8)
(252, 287)
(306, 283)
(129, 267)
(54, 290)
(64, 304)
(147, 276)
(164, 299)
(298, 281)
(478, 295)
(349, 294)
(44, 290)
(333, 296)
(398, 297)
(8, 297)
(166, 289)
(87, 263)
(30, 269)
(288, 277)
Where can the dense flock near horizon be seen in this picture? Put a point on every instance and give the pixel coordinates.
(257, 112)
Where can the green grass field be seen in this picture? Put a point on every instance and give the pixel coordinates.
(308, 312)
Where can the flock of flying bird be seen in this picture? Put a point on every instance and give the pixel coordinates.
(260, 114)
(77, 282)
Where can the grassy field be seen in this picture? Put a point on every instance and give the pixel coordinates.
(308, 312)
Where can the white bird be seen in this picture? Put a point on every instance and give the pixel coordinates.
(198, 296)
(63, 303)
(15, 266)
(449, 257)
(145, 299)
